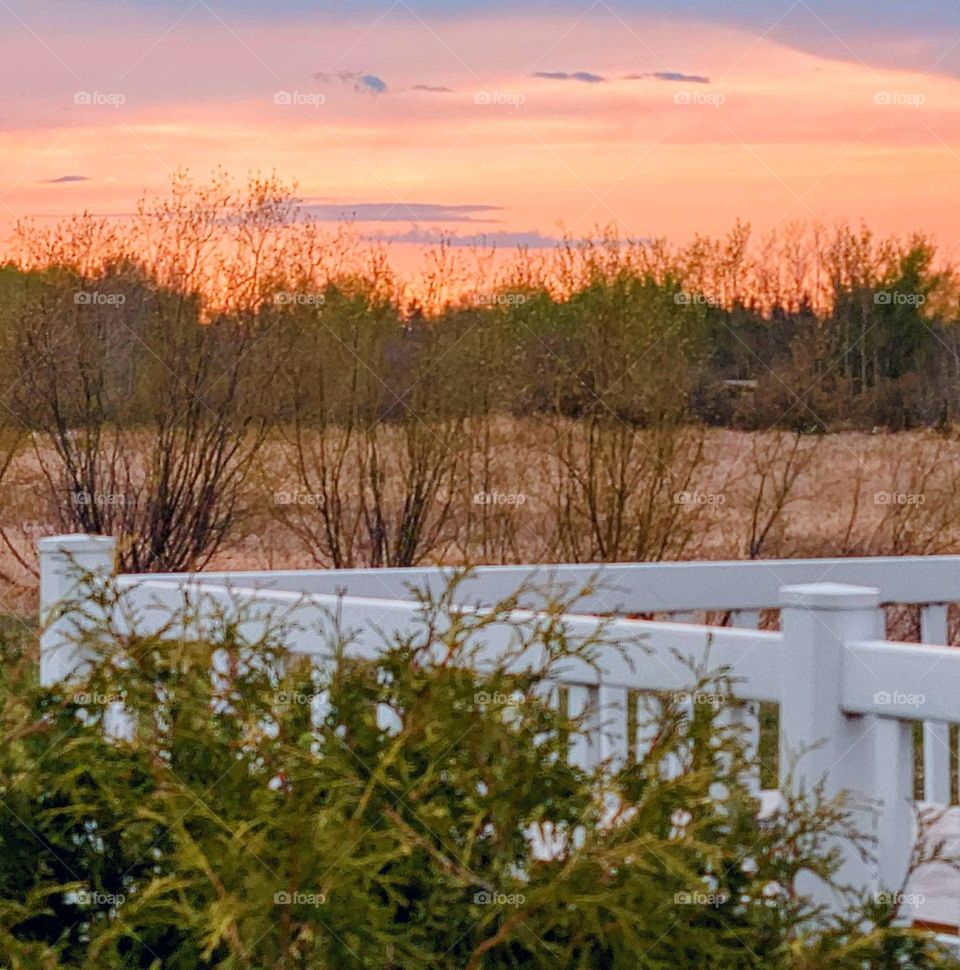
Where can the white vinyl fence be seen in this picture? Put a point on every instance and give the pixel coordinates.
(846, 695)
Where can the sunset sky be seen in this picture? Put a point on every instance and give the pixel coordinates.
(509, 122)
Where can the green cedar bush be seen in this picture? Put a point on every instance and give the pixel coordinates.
(382, 813)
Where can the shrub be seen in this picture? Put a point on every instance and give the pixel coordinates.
(417, 810)
(144, 397)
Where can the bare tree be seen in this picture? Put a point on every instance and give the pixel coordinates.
(141, 375)
(373, 442)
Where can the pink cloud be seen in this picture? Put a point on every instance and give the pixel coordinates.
(775, 133)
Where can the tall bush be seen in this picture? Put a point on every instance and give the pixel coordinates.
(414, 811)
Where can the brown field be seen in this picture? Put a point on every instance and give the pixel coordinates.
(725, 494)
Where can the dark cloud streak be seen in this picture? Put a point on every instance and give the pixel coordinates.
(669, 76)
(360, 81)
(395, 212)
(584, 77)
(530, 239)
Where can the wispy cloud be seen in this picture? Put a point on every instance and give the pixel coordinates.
(66, 178)
(360, 81)
(588, 77)
(432, 88)
(669, 76)
(500, 239)
(584, 77)
(395, 212)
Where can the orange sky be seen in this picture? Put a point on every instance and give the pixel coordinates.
(777, 135)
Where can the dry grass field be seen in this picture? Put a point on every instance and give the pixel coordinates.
(540, 492)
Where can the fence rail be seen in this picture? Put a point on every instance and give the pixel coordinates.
(847, 697)
(636, 587)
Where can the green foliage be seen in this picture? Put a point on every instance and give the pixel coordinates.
(173, 374)
(380, 813)
(640, 332)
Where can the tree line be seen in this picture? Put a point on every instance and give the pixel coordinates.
(155, 366)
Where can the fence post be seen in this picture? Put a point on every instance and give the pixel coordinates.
(63, 561)
(833, 747)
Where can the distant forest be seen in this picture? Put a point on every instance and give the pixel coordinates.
(813, 329)
(217, 362)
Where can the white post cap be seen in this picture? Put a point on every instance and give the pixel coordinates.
(76, 543)
(830, 596)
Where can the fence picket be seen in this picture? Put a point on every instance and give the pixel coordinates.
(845, 694)
(747, 715)
(936, 734)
